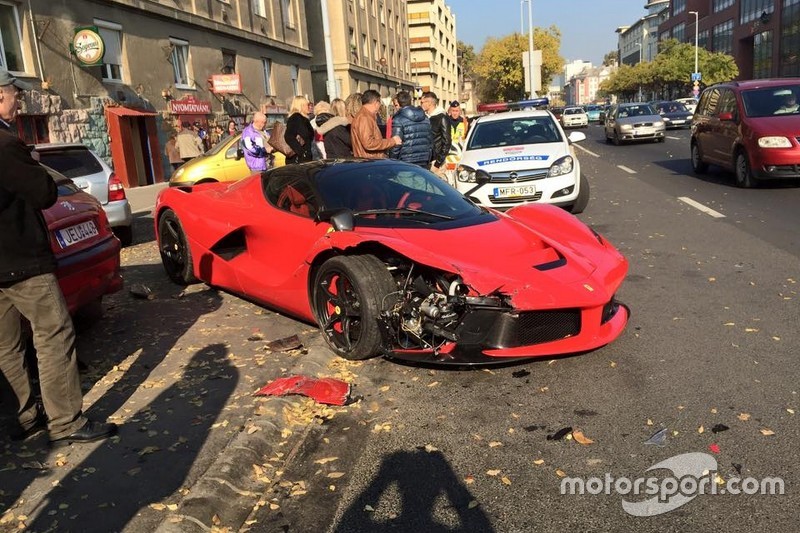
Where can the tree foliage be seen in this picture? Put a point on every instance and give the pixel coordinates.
(499, 70)
(611, 58)
(669, 74)
(466, 58)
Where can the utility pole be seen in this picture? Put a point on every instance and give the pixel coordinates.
(530, 46)
(330, 84)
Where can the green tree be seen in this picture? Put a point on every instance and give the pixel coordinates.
(466, 58)
(611, 58)
(498, 66)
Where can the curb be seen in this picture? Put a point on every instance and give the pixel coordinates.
(227, 490)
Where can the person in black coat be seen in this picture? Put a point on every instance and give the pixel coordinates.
(414, 128)
(299, 133)
(29, 288)
(441, 130)
(335, 131)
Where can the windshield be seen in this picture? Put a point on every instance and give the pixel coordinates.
(391, 194)
(638, 110)
(574, 111)
(593, 108)
(224, 143)
(672, 107)
(771, 101)
(513, 131)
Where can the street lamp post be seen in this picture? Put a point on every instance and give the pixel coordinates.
(530, 41)
(640, 60)
(696, 88)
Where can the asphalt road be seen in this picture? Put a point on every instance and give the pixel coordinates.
(711, 345)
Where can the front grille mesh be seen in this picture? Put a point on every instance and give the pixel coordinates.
(522, 176)
(534, 327)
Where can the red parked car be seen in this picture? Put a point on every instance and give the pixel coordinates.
(387, 258)
(86, 249)
(751, 127)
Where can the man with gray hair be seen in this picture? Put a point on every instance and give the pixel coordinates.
(254, 143)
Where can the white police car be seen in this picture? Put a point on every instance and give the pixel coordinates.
(521, 156)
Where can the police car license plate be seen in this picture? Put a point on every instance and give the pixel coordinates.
(77, 233)
(514, 192)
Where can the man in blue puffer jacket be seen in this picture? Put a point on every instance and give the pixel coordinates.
(414, 128)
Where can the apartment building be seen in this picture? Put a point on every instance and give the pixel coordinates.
(161, 62)
(638, 42)
(369, 47)
(432, 40)
(763, 36)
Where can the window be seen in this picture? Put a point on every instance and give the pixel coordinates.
(789, 64)
(295, 73)
(382, 14)
(267, 64)
(364, 48)
(259, 8)
(753, 9)
(288, 12)
(719, 5)
(762, 54)
(33, 129)
(228, 61)
(180, 61)
(678, 6)
(679, 32)
(112, 60)
(722, 37)
(702, 39)
(10, 41)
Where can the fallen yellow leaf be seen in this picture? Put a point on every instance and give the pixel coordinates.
(493, 472)
(701, 429)
(469, 479)
(495, 444)
(560, 473)
(538, 462)
(744, 417)
(505, 480)
(325, 460)
(158, 506)
(767, 432)
(580, 438)
(790, 411)
(335, 475)
(649, 422)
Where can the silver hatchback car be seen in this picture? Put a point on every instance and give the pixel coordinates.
(92, 175)
(633, 122)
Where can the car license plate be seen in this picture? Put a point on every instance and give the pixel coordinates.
(77, 233)
(514, 192)
(644, 131)
(679, 121)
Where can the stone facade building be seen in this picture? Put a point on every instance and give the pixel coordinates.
(432, 38)
(164, 62)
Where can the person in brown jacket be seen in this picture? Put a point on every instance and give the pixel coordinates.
(367, 140)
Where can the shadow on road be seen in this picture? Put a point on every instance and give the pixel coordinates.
(425, 485)
(106, 490)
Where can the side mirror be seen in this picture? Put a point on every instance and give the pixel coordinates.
(576, 136)
(239, 153)
(343, 220)
(725, 116)
(482, 177)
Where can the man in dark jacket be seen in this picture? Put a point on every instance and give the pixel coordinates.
(441, 131)
(414, 128)
(29, 288)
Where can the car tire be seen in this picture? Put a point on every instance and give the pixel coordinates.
(617, 141)
(124, 234)
(698, 165)
(744, 176)
(608, 139)
(348, 295)
(174, 249)
(583, 197)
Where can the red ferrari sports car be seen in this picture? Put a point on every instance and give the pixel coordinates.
(87, 253)
(389, 259)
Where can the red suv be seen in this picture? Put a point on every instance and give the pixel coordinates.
(751, 127)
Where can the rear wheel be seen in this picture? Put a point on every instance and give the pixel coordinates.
(174, 248)
(698, 165)
(744, 176)
(583, 197)
(124, 234)
(348, 295)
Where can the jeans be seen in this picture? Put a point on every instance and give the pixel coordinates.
(39, 299)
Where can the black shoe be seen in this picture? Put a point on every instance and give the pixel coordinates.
(20, 433)
(90, 432)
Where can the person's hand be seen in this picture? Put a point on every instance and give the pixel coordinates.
(397, 140)
(35, 155)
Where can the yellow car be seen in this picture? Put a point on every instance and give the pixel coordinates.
(224, 162)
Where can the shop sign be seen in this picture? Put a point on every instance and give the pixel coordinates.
(226, 83)
(87, 46)
(189, 105)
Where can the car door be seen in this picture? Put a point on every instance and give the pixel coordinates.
(705, 123)
(280, 232)
(229, 164)
(727, 133)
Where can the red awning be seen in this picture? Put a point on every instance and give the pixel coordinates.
(128, 112)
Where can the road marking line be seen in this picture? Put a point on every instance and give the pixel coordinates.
(675, 138)
(626, 169)
(697, 205)
(585, 150)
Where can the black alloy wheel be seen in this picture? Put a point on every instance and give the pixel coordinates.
(744, 175)
(175, 254)
(348, 296)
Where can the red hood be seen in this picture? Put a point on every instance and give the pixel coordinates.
(785, 125)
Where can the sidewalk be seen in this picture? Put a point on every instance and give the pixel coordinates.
(142, 199)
